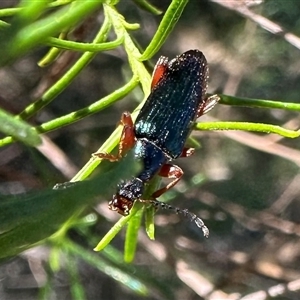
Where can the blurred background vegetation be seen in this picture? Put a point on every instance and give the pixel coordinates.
(245, 186)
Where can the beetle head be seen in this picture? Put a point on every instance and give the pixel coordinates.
(127, 193)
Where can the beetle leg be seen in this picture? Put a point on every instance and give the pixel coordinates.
(169, 171)
(127, 139)
(187, 152)
(207, 104)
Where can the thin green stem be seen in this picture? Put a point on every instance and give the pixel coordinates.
(76, 288)
(132, 51)
(91, 47)
(59, 3)
(131, 238)
(248, 126)
(89, 110)
(3, 24)
(166, 26)
(116, 228)
(19, 129)
(9, 12)
(21, 39)
(148, 7)
(99, 263)
(84, 112)
(52, 54)
(248, 102)
(70, 75)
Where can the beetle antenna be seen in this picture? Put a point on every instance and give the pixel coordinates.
(185, 212)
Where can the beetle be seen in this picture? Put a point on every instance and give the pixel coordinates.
(163, 125)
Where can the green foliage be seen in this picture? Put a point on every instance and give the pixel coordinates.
(26, 220)
(18, 129)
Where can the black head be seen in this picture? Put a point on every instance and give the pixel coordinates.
(127, 193)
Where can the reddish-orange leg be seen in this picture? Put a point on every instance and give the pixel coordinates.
(127, 139)
(172, 172)
(169, 171)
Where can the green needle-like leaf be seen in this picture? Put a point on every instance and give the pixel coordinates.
(116, 228)
(149, 222)
(18, 129)
(166, 26)
(19, 38)
(249, 102)
(248, 126)
(29, 218)
(90, 47)
(147, 6)
(116, 271)
(132, 236)
(68, 77)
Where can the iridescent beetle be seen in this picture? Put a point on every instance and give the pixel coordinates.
(162, 127)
